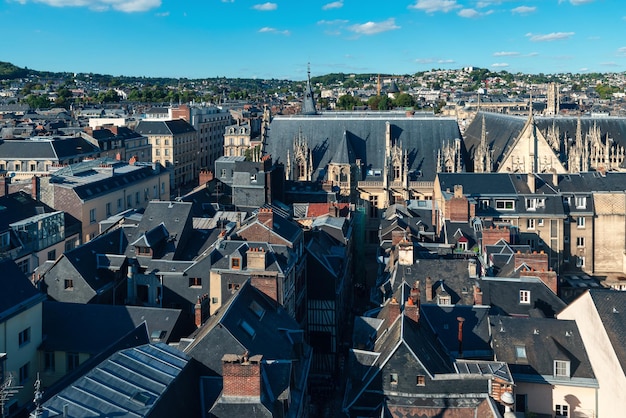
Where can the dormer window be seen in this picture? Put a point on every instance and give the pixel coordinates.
(524, 296)
(581, 202)
(444, 300)
(143, 250)
(393, 379)
(561, 368)
(505, 205)
(520, 352)
(235, 263)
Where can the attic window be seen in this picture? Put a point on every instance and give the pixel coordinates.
(257, 309)
(235, 263)
(143, 398)
(520, 352)
(561, 368)
(157, 335)
(420, 380)
(524, 296)
(69, 284)
(247, 328)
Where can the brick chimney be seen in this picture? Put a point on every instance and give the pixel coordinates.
(393, 311)
(205, 176)
(405, 253)
(429, 289)
(35, 188)
(201, 309)
(242, 375)
(4, 185)
(412, 305)
(458, 206)
(492, 235)
(266, 217)
(396, 237)
(535, 260)
(266, 284)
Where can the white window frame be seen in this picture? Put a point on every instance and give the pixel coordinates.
(580, 261)
(531, 204)
(530, 223)
(504, 204)
(561, 368)
(580, 222)
(524, 297)
(561, 410)
(581, 202)
(580, 241)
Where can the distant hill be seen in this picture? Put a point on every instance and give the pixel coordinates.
(9, 71)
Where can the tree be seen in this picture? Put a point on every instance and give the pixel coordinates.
(38, 101)
(404, 100)
(347, 102)
(384, 103)
(373, 101)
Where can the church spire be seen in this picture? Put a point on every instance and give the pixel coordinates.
(308, 104)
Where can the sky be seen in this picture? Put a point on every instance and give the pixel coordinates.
(279, 38)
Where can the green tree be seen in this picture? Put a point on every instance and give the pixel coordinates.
(404, 100)
(38, 101)
(384, 103)
(347, 102)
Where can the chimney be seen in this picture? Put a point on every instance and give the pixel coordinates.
(530, 177)
(241, 375)
(266, 284)
(405, 253)
(4, 184)
(412, 305)
(478, 295)
(458, 190)
(460, 336)
(205, 176)
(396, 237)
(393, 311)
(555, 178)
(198, 313)
(429, 289)
(35, 189)
(266, 217)
(256, 258)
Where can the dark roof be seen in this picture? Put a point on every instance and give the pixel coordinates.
(478, 184)
(134, 382)
(17, 291)
(503, 295)
(544, 340)
(102, 325)
(19, 206)
(421, 138)
(106, 185)
(167, 127)
(275, 335)
(49, 149)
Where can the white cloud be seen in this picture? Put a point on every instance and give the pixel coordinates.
(228, 1)
(102, 5)
(333, 5)
(424, 60)
(505, 54)
(432, 6)
(164, 14)
(470, 13)
(372, 28)
(621, 51)
(274, 30)
(579, 2)
(265, 7)
(609, 64)
(332, 22)
(554, 36)
(499, 65)
(524, 10)
(448, 61)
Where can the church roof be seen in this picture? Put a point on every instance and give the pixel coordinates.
(344, 153)
(420, 136)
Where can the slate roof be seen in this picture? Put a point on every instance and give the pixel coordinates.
(55, 149)
(276, 335)
(611, 308)
(17, 292)
(502, 130)
(544, 340)
(444, 320)
(132, 382)
(102, 325)
(421, 137)
(19, 206)
(503, 295)
(166, 127)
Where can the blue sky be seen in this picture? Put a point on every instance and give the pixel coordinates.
(276, 38)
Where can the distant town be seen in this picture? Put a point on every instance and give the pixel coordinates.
(449, 243)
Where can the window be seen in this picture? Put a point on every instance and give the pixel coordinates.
(580, 261)
(129, 201)
(214, 300)
(393, 379)
(483, 204)
(562, 410)
(580, 241)
(24, 266)
(524, 296)
(137, 201)
(158, 152)
(223, 172)
(92, 215)
(119, 204)
(24, 337)
(235, 263)
(72, 361)
(530, 223)
(420, 380)
(531, 204)
(143, 250)
(69, 284)
(52, 255)
(33, 167)
(581, 202)
(540, 222)
(24, 372)
(580, 222)
(233, 287)
(48, 361)
(561, 368)
(195, 282)
(248, 329)
(505, 205)
(520, 352)
(257, 309)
